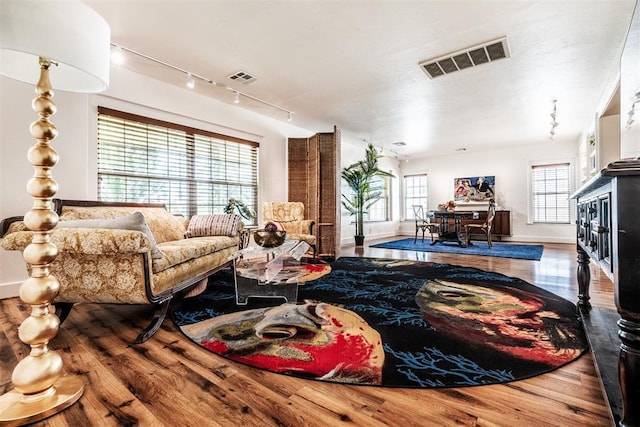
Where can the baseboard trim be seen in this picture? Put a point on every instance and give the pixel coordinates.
(369, 237)
(515, 238)
(9, 290)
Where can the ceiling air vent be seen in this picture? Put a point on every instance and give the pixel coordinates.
(466, 58)
(243, 77)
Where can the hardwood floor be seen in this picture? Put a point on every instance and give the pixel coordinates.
(170, 381)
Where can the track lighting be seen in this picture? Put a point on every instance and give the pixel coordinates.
(554, 123)
(632, 111)
(117, 56)
(192, 78)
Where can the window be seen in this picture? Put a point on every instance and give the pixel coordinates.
(191, 171)
(550, 193)
(415, 193)
(379, 211)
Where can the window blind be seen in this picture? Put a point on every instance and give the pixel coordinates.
(191, 171)
(550, 193)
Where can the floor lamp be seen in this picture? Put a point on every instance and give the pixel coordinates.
(72, 40)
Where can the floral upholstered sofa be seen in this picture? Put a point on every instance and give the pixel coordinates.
(130, 253)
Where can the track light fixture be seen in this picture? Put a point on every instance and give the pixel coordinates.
(193, 77)
(554, 122)
(117, 56)
(191, 83)
(632, 112)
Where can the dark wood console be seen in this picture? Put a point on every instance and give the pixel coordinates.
(608, 233)
(501, 226)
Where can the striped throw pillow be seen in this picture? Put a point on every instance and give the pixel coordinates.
(213, 225)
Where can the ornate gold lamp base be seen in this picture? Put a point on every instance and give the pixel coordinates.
(18, 409)
(72, 36)
(39, 389)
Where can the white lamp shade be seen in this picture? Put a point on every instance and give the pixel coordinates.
(67, 32)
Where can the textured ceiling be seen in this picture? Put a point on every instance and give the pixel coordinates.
(355, 64)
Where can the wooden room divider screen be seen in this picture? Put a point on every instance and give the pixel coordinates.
(314, 179)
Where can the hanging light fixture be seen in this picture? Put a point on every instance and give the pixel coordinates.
(191, 83)
(236, 99)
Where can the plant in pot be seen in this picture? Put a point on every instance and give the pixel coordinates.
(359, 177)
(244, 210)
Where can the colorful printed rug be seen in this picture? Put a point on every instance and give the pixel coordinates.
(501, 250)
(395, 323)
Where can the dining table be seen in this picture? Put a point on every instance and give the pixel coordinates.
(451, 225)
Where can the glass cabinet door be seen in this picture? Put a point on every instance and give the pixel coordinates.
(604, 227)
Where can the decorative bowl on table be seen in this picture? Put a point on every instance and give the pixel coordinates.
(269, 239)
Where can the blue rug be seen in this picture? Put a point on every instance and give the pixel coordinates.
(502, 250)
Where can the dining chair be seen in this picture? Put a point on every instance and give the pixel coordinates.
(423, 222)
(484, 228)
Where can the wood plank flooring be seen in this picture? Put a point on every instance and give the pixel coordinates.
(169, 381)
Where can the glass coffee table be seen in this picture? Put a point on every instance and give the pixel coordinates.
(274, 272)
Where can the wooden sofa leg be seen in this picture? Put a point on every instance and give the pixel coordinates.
(158, 317)
(62, 310)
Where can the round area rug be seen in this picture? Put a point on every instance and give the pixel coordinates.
(395, 323)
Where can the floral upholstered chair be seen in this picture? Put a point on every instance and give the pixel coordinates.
(290, 215)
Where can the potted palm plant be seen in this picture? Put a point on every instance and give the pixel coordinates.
(359, 177)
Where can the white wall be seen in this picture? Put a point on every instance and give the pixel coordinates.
(76, 121)
(509, 166)
(511, 169)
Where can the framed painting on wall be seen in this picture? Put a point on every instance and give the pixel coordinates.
(474, 189)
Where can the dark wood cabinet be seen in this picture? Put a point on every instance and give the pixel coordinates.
(314, 179)
(608, 233)
(501, 223)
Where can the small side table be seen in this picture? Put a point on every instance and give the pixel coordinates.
(274, 272)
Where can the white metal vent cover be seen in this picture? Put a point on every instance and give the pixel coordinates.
(470, 57)
(242, 77)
